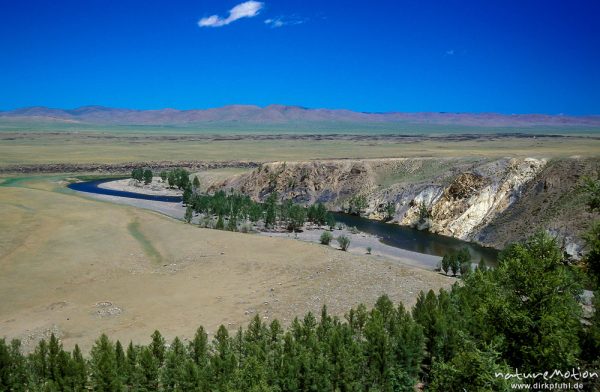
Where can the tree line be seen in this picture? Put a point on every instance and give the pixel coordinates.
(177, 177)
(235, 207)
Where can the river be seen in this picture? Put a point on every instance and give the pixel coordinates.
(390, 234)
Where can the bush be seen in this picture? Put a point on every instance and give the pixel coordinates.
(369, 249)
(246, 228)
(344, 242)
(147, 176)
(326, 238)
(137, 174)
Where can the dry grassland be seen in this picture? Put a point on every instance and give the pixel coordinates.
(80, 267)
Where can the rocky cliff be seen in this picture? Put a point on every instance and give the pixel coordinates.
(493, 202)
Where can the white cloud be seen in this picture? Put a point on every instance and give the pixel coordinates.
(274, 22)
(284, 21)
(247, 9)
(450, 52)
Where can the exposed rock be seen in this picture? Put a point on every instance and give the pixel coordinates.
(493, 202)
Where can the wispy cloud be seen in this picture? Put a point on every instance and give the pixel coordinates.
(450, 52)
(284, 21)
(246, 9)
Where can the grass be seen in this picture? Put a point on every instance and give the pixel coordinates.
(61, 253)
(297, 127)
(79, 148)
(145, 243)
(413, 171)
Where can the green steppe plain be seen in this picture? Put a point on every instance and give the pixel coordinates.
(40, 143)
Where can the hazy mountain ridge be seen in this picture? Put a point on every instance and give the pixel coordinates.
(281, 114)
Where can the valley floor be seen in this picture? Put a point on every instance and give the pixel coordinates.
(78, 267)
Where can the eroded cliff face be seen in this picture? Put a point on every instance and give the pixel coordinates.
(487, 201)
(473, 199)
(327, 182)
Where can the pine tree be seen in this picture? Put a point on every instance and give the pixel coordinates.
(446, 263)
(12, 367)
(80, 371)
(39, 363)
(471, 367)
(377, 350)
(173, 368)
(198, 348)
(148, 369)
(223, 361)
(454, 264)
(530, 303)
(103, 366)
(187, 195)
(54, 349)
(132, 373)
(158, 347)
(121, 362)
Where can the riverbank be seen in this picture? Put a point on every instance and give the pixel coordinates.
(360, 241)
(359, 244)
(156, 188)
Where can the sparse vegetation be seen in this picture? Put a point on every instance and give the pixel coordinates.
(343, 242)
(357, 204)
(390, 210)
(452, 339)
(424, 213)
(325, 238)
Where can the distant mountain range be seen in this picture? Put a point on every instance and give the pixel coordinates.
(280, 114)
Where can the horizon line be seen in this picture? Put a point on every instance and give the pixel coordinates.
(562, 114)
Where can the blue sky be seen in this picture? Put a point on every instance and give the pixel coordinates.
(506, 56)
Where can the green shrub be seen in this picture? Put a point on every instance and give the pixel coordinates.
(326, 238)
(344, 242)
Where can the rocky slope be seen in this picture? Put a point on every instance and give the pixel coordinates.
(493, 202)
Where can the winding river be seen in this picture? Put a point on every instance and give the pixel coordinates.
(393, 235)
(92, 187)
